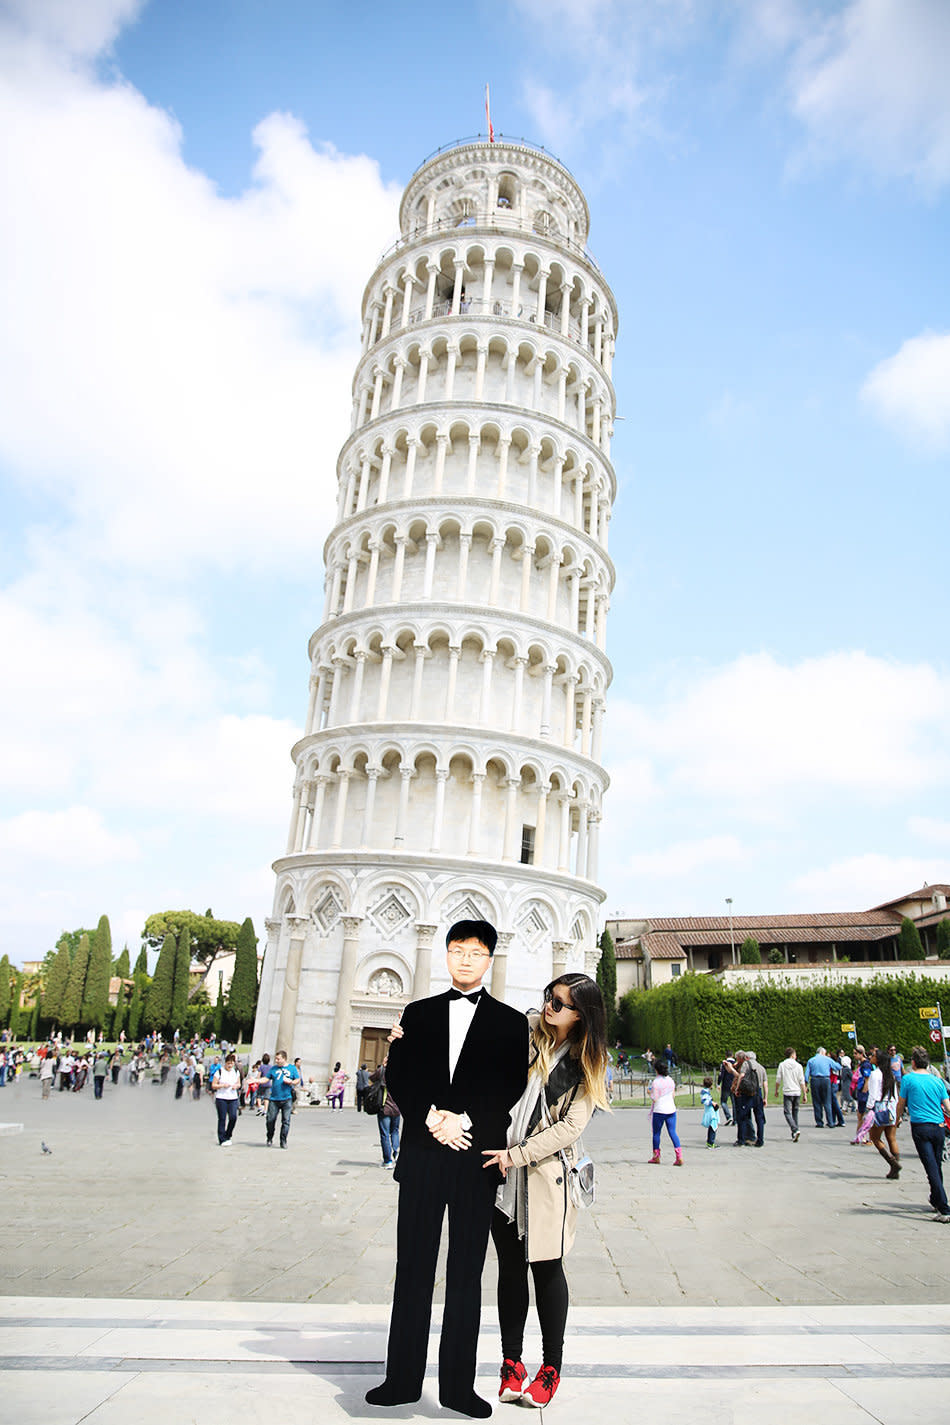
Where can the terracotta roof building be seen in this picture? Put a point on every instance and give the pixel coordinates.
(653, 951)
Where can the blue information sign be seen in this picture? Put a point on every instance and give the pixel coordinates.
(934, 1023)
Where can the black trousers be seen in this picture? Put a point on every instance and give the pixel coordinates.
(550, 1295)
(430, 1184)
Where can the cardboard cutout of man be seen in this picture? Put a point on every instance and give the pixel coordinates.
(456, 1074)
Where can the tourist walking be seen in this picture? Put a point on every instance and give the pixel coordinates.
(710, 1113)
(535, 1214)
(281, 1077)
(727, 1078)
(923, 1097)
(818, 1078)
(790, 1083)
(760, 1098)
(663, 1111)
(47, 1073)
(362, 1084)
(387, 1119)
(862, 1073)
(335, 1087)
(847, 1071)
(882, 1106)
(226, 1087)
(745, 1087)
(100, 1068)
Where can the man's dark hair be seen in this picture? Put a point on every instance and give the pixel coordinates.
(919, 1057)
(479, 930)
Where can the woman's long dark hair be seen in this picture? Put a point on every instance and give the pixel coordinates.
(587, 1040)
(888, 1082)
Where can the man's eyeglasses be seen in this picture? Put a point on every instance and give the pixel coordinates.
(468, 954)
(557, 1004)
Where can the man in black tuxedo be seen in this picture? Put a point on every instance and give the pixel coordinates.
(456, 1073)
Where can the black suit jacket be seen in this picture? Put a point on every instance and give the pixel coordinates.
(489, 1078)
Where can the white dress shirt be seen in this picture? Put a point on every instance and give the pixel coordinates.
(461, 1014)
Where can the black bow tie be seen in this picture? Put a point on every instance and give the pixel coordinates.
(472, 998)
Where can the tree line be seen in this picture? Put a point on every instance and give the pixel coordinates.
(71, 992)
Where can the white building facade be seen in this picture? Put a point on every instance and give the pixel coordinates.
(450, 764)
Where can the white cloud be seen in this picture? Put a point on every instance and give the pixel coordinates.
(599, 81)
(196, 350)
(121, 703)
(911, 390)
(756, 728)
(80, 27)
(683, 857)
(861, 882)
(76, 836)
(871, 84)
(174, 387)
(930, 828)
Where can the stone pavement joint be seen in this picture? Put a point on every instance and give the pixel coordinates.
(122, 1359)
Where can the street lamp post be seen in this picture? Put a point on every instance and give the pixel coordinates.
(732, 939)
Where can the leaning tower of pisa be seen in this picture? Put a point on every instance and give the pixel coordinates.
(450, 763)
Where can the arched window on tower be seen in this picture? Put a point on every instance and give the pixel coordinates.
(506, 192)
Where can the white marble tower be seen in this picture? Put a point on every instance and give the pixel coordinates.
(450, 764)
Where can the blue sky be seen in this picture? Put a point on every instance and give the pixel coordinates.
(195, 197)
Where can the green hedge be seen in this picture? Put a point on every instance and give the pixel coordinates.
(704, 1020)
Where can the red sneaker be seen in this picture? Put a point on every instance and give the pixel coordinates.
(541, 1390)
(514, 1378)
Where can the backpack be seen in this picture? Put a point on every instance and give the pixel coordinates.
(375, 1096)
(748, 1084)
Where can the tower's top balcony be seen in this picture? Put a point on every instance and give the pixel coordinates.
(506, 183)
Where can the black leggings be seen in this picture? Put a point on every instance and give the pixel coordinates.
(550, 1295)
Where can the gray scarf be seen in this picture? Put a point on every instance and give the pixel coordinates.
(511, 1197)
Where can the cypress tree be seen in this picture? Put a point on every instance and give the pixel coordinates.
(95, 999)
(182, 982)
(6, 991)
(607, 980)
(910, 943)
(54, 992)
(219, 1012)
(943, 939)
(136, 1007)
(72, 1000)
(141, 964)
(121, 967)
(118, 1015)
(160, 992)
(749, 951)
(242, 995)
(16, 990)
(34, 1029)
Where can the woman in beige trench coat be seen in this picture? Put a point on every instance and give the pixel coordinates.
(534, 1217)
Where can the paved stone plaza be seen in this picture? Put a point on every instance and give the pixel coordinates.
(147, 1271)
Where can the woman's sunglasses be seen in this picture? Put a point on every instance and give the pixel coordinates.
(556, 1004)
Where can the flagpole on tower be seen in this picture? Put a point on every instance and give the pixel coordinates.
(491, 131)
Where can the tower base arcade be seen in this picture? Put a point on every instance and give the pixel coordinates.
(353, 943)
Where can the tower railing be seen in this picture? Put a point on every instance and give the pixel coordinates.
(497, 307)
(499, 223)
(500, 141)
